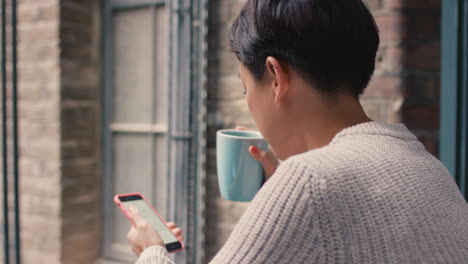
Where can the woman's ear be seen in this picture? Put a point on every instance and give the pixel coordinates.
(279, 78)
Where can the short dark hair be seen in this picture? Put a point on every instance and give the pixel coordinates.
(329, 42)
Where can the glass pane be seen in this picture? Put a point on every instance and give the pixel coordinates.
(139, 165)
(160, 177)
(132, 169)
(133, 77)
(140, 64)
(162, 64)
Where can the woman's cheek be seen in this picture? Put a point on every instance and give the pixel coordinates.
(249, 102)
(253, 107)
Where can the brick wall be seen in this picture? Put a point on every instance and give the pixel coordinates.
(39, 130)
(80, 120)
(58, 66)
(406, 84)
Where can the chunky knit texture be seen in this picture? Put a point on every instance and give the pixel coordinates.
(373, 195)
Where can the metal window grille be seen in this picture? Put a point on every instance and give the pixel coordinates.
(9, 102)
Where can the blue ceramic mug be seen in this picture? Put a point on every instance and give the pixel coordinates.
(239, 175)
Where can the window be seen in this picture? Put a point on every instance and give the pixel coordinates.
(454, 96)
(153, 117)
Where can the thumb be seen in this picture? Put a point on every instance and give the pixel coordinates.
(266, 158)
(135, 216)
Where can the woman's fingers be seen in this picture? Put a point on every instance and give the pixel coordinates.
(137, 220)
(242, 128)
(175, 230)
(178, 233)
(266, 158)
(141, 234)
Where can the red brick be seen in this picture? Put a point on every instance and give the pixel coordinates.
(379, 60)
(425, 88)
(421, 116)
(420, 57)
(412, 4)
(391, 26)
(423, 56)
(389, 60)
(408, 26)
(385, 86)
(374, 4)
(431, 143)
(422, 26)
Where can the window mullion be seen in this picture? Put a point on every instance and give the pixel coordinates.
(153, 96)
(139, 128)
(180, 129)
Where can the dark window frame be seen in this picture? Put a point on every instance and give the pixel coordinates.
(454, 91)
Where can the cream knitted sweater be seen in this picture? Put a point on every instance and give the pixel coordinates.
(373, 195)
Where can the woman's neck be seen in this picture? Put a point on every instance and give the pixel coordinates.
(315, 126)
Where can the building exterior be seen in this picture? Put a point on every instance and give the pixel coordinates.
(119, 96)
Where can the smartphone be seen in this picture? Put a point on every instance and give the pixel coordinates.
(147, 212)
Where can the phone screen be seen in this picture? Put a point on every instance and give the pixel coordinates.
(147, 213)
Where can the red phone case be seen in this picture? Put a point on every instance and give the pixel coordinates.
(122, 208)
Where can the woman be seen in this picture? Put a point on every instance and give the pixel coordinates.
(349, 190)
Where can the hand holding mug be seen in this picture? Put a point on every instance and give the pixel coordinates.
(240, 175)
(266, 158)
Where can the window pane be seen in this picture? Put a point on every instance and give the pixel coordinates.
(132, 169)
(162, 64)
(140, 81)
(133, 77)
(160, 177)
(139, 165)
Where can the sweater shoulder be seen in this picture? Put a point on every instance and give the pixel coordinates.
(361, 152)
(368, 161)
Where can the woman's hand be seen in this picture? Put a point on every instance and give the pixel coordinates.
(142, 235)
(176, 231)
(266, 158)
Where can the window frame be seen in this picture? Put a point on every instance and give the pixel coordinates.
(454, 91)
(186, 121)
